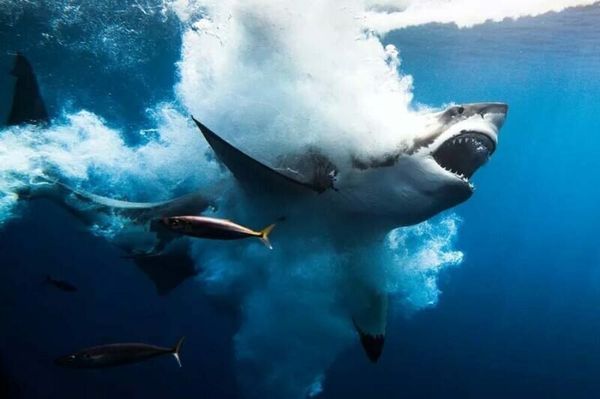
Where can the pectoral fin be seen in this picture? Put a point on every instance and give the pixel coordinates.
(167, 271)
(251, 173)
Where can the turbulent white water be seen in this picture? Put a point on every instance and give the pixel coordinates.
(281, 75)
(84, 151)
(385, 16)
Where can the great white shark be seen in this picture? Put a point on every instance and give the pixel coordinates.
(356, 202)
(352, 201)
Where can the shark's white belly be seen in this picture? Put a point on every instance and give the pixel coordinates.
(403, 194)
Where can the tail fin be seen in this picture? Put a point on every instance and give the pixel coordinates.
(264, 235)
(177, 350)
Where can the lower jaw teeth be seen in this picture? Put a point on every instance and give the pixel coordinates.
(460, 176)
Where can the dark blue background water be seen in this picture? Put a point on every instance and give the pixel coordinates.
(519, 318)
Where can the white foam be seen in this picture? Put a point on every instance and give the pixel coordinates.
(419, 253)
(391, 15)
(295, 75)
(83, 151)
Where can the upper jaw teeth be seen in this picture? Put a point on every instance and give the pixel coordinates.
(460, 140)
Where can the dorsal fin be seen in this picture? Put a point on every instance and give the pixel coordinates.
(27, 104)
(253, 174)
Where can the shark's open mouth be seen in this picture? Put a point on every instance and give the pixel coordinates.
(465, 153)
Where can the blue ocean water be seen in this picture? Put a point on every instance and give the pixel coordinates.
(518, 318)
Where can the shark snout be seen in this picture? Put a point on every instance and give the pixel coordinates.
(493, 112)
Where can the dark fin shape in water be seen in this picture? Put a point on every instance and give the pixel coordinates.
(27, 105)
(372, 344)
(177, 350)
(62, 285)
(252, 174)
(167, 271)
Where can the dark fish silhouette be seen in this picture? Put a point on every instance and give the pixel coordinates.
(215, 229)
(61, 284)
(27, 104)
(117, 355)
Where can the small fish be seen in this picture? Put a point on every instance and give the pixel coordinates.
(117, 355)
(215, 229)
(61, 284)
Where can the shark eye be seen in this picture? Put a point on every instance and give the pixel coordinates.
(453, 112)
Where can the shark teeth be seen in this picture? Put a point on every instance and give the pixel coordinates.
(463, 154)
(461, 177)
(460, 140)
